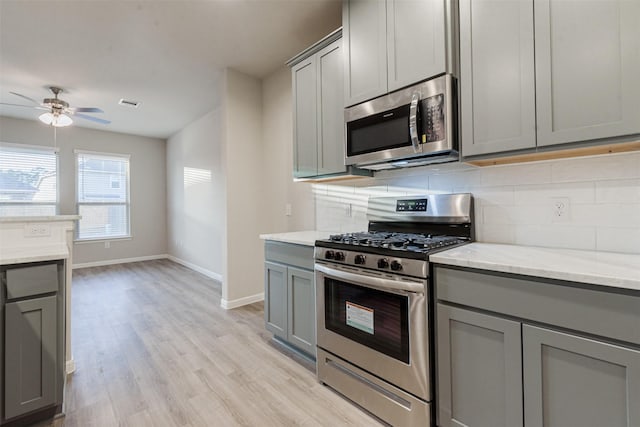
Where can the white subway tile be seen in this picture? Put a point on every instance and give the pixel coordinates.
(531, 173)
(578, 192)
(606, 215)
(611, 166)
(625, 240)
(492, 195)
(447, 181)
(618, 191)
(489, 233)
(557, 236)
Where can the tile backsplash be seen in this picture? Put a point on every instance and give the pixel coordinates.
(514, 204)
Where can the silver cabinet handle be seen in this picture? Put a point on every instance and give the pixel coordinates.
(413, 122)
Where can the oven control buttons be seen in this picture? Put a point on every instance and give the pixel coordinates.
(329, 255)
(396, 266)
(339, 256)
(383, 263)
(359, 259)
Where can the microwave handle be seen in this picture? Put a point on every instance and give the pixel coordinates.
(413, 122)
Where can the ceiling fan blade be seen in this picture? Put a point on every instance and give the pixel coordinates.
(25, 97)
(93, 119)
(36, 107)
(85, 110)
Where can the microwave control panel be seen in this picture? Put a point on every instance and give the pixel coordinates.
(433, 119)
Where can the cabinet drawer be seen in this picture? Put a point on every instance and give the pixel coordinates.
(31, 280)
(606, 314)
(288, 253)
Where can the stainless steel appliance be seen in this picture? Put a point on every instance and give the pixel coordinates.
(410, 127)
(374, 304)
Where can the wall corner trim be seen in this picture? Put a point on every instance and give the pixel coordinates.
(70, 366)
(231, 304)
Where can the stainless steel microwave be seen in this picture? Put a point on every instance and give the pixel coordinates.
(410, 127)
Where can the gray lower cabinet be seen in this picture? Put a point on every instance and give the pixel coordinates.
(31, 349)
(520, 351)
(479, 369)
(290, 303)
(575, 381)
(32, 325)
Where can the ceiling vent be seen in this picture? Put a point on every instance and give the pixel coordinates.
(128, 103)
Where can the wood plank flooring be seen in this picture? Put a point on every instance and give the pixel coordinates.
(153, 347)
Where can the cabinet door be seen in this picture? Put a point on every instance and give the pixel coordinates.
(587, 68)
(497, 87)
(330, 109)
(479, 369)
(302, 309)
(305, 154)
(415, 41)
(364, 35)
(573, 381)
(275, 299)
(31, 349)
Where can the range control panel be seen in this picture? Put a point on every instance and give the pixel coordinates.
(412, 205)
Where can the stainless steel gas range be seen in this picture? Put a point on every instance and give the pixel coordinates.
(375, 304)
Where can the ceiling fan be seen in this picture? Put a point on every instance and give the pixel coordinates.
(58, 111)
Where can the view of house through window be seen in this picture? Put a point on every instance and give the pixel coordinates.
(28, 180)
(102, 195)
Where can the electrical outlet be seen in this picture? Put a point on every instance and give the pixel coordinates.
(348, 210)
(287, 209)
(37, 230)
(107, 245)
(560, 209)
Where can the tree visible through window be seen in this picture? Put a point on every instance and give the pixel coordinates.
(103, 195)
(28, 180)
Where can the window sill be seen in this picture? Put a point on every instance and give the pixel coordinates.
(103, 239)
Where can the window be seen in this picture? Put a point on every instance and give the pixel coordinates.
(28, 180)
(102, 195)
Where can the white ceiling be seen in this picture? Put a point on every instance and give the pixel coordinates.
(165, 54)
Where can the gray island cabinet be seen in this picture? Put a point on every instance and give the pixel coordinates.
(516, 350)
(32, 323)
(289, 295)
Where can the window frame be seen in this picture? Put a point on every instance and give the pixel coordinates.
(43, 149)
(127, 204)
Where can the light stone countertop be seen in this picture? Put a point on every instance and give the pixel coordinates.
(18, 255)
(306, 238)
(599, 268)
(39, 218)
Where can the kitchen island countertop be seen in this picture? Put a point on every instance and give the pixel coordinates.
(609, 269)
(306, 238)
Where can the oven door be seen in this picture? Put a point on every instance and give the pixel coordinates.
(376, 322)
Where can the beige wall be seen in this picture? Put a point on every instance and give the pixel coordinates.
(196, 186)
(277, 124)
(148, 184)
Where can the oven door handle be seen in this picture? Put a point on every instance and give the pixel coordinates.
(372, 281)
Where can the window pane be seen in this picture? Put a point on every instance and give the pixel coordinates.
(28, 176)
(102, 179)
(103, 221)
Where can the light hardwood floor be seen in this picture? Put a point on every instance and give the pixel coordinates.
(153, 347)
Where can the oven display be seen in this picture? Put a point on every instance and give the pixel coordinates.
(414, 205)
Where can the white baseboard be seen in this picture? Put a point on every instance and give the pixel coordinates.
(228, 305)
(119, 261)
(208, 273)
(70, 366)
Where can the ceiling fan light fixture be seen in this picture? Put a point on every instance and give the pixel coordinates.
(57, 120)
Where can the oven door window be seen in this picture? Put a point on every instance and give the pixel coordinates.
(379, 132)
(376, 319)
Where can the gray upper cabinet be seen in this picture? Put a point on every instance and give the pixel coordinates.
(587, 68)
(318, 111)
(479, 370)
(392, 44)
(497, 76)
(574, 381)
(538, 73)
(305, 108)
(364, 25)
(415, 41)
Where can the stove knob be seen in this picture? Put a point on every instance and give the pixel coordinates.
(359, 259)
(329, 255)
(339, 256)
(396, 266)
(383, 263)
